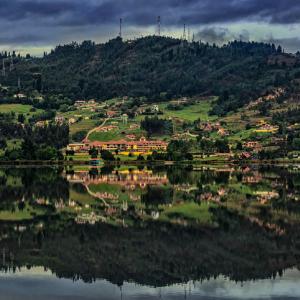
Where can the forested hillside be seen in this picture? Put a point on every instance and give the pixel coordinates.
(159, 68)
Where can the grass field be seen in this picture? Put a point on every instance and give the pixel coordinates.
(192, 112)
(115, 190)
(84, 125)
(118, 133)
(18, 109)
(27, 213)
(192, 211)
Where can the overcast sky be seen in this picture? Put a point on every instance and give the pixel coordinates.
(38, 25)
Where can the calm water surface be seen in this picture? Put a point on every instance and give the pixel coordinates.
(150, 233)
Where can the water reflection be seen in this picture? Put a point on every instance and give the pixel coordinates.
(39, 284)
(158, 226)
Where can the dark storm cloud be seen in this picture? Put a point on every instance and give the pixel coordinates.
(21, 9)
(143, 12)
(52, 21)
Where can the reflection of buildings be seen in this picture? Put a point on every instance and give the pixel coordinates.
(91, 218)
(129, 180)
(255, 177)
(187, 188)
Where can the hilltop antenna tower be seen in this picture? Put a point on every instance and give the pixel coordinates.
(158, 25)
(120, 32)
(184, 32)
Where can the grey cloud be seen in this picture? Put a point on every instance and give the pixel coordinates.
(289, 44)
(220, 35)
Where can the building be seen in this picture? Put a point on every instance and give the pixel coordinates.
(20, 96)
(72, 121)
(267, 128)
(142, 146)
(79, 103)
(111, 113)
(41, 123)
(78, 147)
(59, 119)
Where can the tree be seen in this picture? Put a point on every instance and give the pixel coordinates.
(21, 118)
(46, 153)
(239, 146)
(3, 143)
(28, 149)
(107, 155)
(296, 144)
(93, 152)
(222, 146)
(179, 150)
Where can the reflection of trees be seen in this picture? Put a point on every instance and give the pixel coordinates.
(32, 184)
(181, 175)
(157, 195)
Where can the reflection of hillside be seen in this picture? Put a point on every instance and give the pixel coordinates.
(130, 180)
(153, 254)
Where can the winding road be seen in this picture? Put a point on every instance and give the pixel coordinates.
(86, 139)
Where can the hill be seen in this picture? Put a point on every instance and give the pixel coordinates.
(159, 68)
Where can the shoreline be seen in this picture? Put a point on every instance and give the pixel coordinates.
(135, 162)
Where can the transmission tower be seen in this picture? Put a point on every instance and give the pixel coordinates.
(188, 38)
(184, 32)
(158, 25)
(120, 32)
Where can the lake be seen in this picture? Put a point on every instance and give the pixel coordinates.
(160, 232)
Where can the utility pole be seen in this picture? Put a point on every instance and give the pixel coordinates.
(158, 25)
(3, 67)
(11, 66)
(19, 83)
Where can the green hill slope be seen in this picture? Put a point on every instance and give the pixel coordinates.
(159, 68)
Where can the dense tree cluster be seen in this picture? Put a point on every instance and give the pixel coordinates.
(42, 143)
(155, 125)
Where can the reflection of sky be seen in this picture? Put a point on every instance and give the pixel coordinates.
(37, 284)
